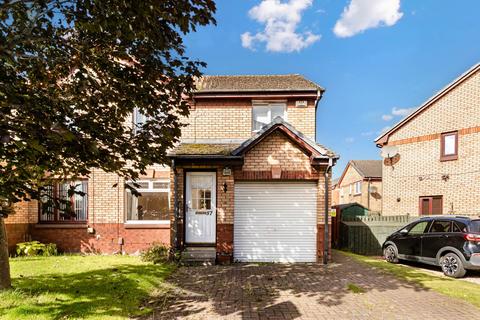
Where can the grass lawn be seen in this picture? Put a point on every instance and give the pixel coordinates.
(463, 290)
(81, 287)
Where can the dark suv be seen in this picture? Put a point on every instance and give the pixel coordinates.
(452, 242)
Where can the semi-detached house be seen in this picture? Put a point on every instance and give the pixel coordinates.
(246, 183)
(432, 163)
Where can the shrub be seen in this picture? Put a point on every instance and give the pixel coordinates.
(157, 253)
(35, 248)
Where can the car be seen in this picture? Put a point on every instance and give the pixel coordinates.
(451, 242)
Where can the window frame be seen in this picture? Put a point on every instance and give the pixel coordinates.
(150, 189)
(430, 204)
(268, 104)
(448, 157)
(56, 210)
(359, 185)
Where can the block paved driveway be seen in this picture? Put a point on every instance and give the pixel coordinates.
(303, 291)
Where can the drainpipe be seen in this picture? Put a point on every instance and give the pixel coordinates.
(368, 194)
(326, 233)
(175, 206)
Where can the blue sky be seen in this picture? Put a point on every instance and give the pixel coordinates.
(383, 58)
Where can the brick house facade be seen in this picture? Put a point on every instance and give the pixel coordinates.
(361, 182)
(436, 166)
(222, 119)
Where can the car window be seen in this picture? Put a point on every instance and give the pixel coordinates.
(474, 226)
(458, 227)
(419, 228)
(441, 226)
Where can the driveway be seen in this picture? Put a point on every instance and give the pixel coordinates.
(344, 289)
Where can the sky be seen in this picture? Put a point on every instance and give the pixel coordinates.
(377, 59)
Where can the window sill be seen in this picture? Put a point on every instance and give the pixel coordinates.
(448, 158)
(61, 226)
(163, 224)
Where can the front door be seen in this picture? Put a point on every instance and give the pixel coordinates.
(200, 206)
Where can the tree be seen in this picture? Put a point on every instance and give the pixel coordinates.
(72, 72)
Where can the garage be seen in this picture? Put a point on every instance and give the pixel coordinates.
(275, 222)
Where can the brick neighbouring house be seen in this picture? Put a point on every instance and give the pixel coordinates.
(361, 182)
(247, 156)
(437, 168)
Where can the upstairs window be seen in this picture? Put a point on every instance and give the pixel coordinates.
(152, 204)
(449, 146)
(358, 187)
(60, 205)
(264, 112)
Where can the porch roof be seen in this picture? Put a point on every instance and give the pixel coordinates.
(202, 149)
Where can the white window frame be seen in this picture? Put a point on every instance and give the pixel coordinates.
(350, 188)
(357, 188)
(150, 189)
(268, 104)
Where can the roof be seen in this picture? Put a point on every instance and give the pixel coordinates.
(383, 138)
(279, 123)
(368, 168)
(235, 152)
(199, 149)
(250, 83)
(348, 205)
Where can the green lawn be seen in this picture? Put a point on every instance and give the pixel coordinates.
(460, 289)
(81, 287)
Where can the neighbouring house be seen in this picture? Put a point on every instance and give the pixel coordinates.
(335, 192)
(432, 163)
(361, 183)
(248, 182)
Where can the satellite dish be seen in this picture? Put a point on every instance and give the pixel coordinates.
(389, 152)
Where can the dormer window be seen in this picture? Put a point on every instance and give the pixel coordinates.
(449, 146)
(264, 112)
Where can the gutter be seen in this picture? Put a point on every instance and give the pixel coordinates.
(317, 100)
(326, 235)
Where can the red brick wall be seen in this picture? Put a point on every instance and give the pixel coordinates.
(16, 232)
(105, 240)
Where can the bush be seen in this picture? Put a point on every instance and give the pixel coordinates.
(157, 253)
(35, 248)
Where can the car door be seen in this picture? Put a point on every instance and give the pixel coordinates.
(409, 244)
(438, 236)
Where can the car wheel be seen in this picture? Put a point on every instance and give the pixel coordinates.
(390, 254)
(452, 265)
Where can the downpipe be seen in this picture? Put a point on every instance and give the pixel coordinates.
(326, 213)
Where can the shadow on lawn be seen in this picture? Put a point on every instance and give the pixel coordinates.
(273, 290)
(115, 291)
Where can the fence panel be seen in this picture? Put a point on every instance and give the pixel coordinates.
(365, 235)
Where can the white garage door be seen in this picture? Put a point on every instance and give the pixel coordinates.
(275, 222)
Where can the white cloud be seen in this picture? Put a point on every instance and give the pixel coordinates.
(361, 15)
(281, 20)
(350, 140)
(397, 112)
(402, 111)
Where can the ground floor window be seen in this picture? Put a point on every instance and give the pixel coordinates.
(152, 204)
(431, 205)
(64, 202)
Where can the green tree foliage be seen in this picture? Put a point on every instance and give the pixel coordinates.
(73, 72)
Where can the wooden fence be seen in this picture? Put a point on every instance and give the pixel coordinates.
(365, 235)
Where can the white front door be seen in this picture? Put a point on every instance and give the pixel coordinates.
(200, 206)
